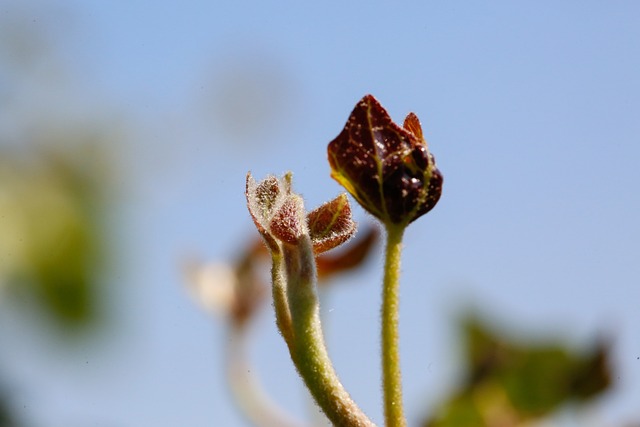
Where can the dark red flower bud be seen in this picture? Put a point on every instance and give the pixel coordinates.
(387, 168)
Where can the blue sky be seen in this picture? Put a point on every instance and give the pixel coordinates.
(531, 109)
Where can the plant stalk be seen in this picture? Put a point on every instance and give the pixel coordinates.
(249, 395)
(279, 293)
(309, 353)
(391, 373)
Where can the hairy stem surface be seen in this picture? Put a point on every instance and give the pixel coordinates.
(309, 352)
(391, 375)
(279, 293)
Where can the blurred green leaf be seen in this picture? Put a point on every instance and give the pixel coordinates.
(52, 235)
(460, 411)
(509, 382)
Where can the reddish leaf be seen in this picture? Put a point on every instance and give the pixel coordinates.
(331, 225)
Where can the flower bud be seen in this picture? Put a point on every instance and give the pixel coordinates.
(388, 169)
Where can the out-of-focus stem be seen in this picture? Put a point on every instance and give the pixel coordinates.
(391, 374)
(248, 393)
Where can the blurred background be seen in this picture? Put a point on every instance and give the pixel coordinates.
(126, 131)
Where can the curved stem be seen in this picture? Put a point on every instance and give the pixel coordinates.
(309, 353)
(248, 393)
(391, 375)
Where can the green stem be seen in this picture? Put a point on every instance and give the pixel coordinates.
(279, 293)
(309, 353)
(391, 375)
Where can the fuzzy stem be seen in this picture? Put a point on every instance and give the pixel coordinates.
(279, 293)
(309, 353)
(391, 375)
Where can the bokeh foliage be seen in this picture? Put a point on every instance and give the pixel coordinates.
(57, 145)
(510, 382)
(51, 232)
(56, 155)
